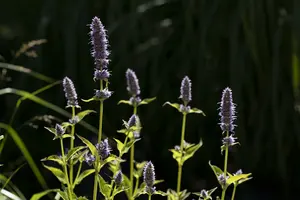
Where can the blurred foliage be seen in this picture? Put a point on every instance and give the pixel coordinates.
(251, 46)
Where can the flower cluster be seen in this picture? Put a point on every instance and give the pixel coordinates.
(100, 54)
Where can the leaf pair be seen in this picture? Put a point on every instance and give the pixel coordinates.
(233, 179)
(188, 151)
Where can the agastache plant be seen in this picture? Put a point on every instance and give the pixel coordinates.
(227, 117)
(185, 150)
(68, 158)
(135, 100)
(100, 54)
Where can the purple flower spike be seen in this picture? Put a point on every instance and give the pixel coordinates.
(70, 92)
(186, 90)
(149, 177)
(133, 86)
(99, 42)
(227, 111)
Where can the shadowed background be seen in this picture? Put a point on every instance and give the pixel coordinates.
(248, 45)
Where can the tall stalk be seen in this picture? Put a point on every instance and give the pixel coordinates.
(181, 151)
(95, 191)
(132, 159)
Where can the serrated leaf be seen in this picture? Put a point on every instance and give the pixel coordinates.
(57, 173)
(83, 175)
(124, 102)
(147, 101)
(190, 151)
(73, 151)
(174, 105)
(197, 111)
(105, 188)
(39, 195)
(89, 100)
(54, 158)
(236, 178)
(84, 113)
(89, 145)
(66, 124)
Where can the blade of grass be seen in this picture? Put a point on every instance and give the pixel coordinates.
(19, 103)
(11, 187)
(10, 177)
(25, 152)
(24, 70)
(46, 104)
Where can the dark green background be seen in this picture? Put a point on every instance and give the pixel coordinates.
(248, 45)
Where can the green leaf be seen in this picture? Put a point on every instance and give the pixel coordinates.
(63, 194)
(73, 151)
(190, 151)
(147, 101)
(139, 169)
(217, 171)
(197, 111)
(19, 142)
(83, 175)
(176, 155)
(105, 188)
(39, 195)
(89, 100)
(89, 145)
(1, 137)
(82, 198)
(120, 146)
(236, 178)
(51, 130)
(84, 113)
(58, 173)
(174, 105)
(124, 102)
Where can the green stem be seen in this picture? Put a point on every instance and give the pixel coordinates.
(101, 115)
(181, 151)
(99, 140)
(132, 159)
(149, 197)
(225, 169)
(233, 192)
(72, 146)
(65, 168)
(95, 186)
(78, 171)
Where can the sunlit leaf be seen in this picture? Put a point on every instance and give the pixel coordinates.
(84, 113)
(57, 173)
(105, 188)
(190, 151)
(124, 102)
(147, 101)
(73, 151)
(197, 111)
(89, 145)
(174, 105)
(236, 178)
(89, 100)
(217, 171)
(83, 175)
(39, 195)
